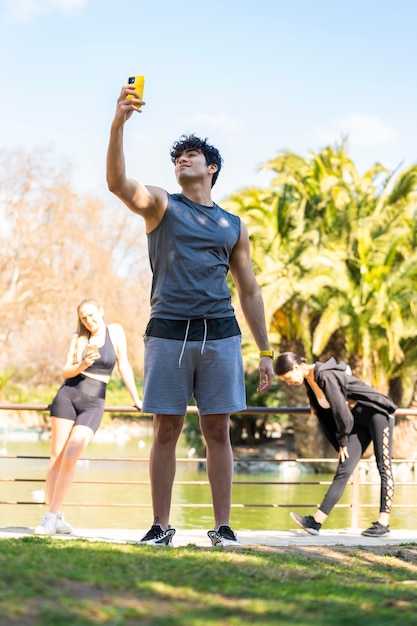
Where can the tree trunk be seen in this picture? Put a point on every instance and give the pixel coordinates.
(405, 439)
(405, 433)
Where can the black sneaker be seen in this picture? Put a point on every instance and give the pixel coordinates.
(307, 523)
(158, 536)
(376, 530)
(223, 536)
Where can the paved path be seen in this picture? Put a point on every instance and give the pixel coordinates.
(272, 538)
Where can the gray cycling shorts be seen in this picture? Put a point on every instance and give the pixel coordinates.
(175, 372)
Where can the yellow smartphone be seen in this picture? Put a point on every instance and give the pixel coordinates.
(138, 84)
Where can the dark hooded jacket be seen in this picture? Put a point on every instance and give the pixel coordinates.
(339, 386)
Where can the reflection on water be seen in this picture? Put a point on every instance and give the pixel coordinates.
(136, 511)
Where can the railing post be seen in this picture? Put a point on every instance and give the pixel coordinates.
(354, 521)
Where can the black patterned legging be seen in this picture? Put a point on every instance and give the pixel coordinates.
(369, 426)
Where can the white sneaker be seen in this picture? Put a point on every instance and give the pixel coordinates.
(223, 536)
(47, 525)
(157, 536)
(62, 526)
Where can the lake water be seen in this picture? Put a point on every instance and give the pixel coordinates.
(108, 503)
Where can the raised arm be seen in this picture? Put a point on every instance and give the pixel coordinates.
(252, 304)
(149, 202)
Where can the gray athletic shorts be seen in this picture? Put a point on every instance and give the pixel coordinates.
(215, 378)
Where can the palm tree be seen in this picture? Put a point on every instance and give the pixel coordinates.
(356, 247)
(335, 255)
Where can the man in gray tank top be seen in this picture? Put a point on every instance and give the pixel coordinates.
(192, 341)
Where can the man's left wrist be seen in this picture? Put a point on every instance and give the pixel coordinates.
(269, 353)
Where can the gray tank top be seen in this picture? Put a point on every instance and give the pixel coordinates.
(189, 254)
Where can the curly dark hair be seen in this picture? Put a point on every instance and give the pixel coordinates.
(191, 142)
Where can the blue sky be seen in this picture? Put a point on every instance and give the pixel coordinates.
(255, 77)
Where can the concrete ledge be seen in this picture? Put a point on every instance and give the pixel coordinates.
(270, 538)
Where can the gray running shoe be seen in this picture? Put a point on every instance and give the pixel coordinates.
(157, 536)
(307, 523)
(376, 530)
(223, 536)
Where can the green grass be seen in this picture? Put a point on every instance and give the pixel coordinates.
(49, 582)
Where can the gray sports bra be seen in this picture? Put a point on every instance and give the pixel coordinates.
(105, 364)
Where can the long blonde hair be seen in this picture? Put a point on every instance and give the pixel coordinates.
(83, 334)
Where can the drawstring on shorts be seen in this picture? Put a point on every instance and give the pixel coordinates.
(186, 337)
(184, 342)
(205, 336)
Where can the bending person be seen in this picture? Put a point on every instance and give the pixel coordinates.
(351, 415)
(77, 410)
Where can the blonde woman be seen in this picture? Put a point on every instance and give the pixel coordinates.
(77, 409)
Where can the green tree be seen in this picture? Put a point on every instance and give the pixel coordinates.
(58, 247)
(355, 257)
(335, 256)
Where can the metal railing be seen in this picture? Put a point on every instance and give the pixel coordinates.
(356, 482)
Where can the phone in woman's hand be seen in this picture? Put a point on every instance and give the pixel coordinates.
(92, 351)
